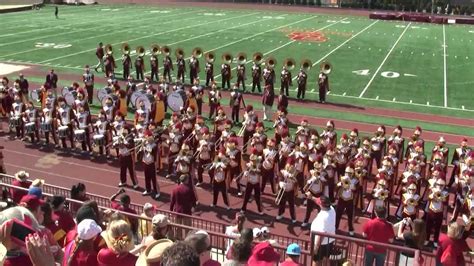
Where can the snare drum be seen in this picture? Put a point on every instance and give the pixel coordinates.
(30, 127)
(62, 131)
(46, 127)
(99, 140)
(14, 122)
(79, 135)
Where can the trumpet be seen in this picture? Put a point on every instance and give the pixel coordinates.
(346, 183)
(125, 49)
(437, 195)
(227, 58)
(179, 52)
(210, 57)
(155, 49)
(140, 51)
(257, 58)
(241, 58)
(289, 63)
(270, 62)
(197, 52)
(383, 195)
(306, 64)
(411, 202)
(108, 49)
(326, 67)
(165, 50)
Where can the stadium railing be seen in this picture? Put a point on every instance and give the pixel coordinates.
(194, 221)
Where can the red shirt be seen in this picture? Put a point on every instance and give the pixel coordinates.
(18, 194)
(81, 257)
(211, 263)
(99, 242)
(108, 257)
(290, 263)
(458, 247)
(378, 230)
(182, 199)
(18, 261)
(132, 221)
(64, 219)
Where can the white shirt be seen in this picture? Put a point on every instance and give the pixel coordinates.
(325, 222)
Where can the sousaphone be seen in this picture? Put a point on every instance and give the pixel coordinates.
(108, 49)
(257, 58)
(210, 57)
(179, 52)
(326, 67)
(140, 51)
(125, 49)
(270, 62)
(241, 58)
(166, 50)
(306, 64)
(227, 58)
(197, 52)
(289, 63)
(155, 49)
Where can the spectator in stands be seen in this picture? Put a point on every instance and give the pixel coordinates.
(145, 226)
(78, 192)
(293, 251)
(160, 230)
(233, 230)
(119, 239)
(241, 249)
(58, 233)
(33, 204)
(21, 180)
(152, 255)
(378, 230)
(124, 205)
(451, 247)
(178, 254)
(3, 170)
(82, 250)
(264, 254)
(36, 188)
(412, 239)
(325, 222)
(201, 243)
(63, 217)
(265, 236)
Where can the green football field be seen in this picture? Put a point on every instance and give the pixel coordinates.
(409, 66)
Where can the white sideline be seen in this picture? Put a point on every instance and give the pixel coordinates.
(384, 60)
(445, 69)
(147, 36)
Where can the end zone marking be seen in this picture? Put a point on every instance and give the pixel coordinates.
(384, 60)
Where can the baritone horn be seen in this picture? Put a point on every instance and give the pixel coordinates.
(270, 62)
(289, 63)
(241, 58)
(179, 52)
(125, 48)
(257, 58)
(227, 58)
(108, 49)
(165, 50)
(140, 51)
(326, 67)
(210, 57)
(306, 64)
(197, 52)
(155, 49)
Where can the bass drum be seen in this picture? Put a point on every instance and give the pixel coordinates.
(35, 95)
(135, 96)
(148, 99)
(114, 98)
(176, 100)
(69, 98)
(103, 92)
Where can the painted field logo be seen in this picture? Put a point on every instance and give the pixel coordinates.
(309, 36)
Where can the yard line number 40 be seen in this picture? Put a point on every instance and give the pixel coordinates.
(385, 74)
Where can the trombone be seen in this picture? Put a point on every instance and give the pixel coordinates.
(257, 58)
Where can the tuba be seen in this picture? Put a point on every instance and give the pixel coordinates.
(326, 67)
(165, 50)
(140, 51)
(258, 58)
(289, 63)
(125, 49)
(155, 49)
(270, 62)
(179, 52)
(227, 58)
(197, 52)
(241, 58)
(306, 64)
(108, 49)
(210, 57)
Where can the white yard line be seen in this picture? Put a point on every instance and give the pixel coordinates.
(148, 36)
(445, 69)
(342, 44)
(384, 60)
(279, 47)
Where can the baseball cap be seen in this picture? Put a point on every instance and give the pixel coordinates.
(293, 249)
(160, 220)
(31, 202)
(263, 254)
(88, 229)
(153, 252)
(35, 191)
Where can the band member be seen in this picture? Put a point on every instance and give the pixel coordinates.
(315, 148)
(30, 120)
(282, 101)
(241, 76)
(342, 154)
(126, 65)
(198, 91)
(23, 87)
(300, 153)
(314, 188)
(286, 81)
(139, 67)
(378, 145)
(181, 64)
(378, 197)
(267, 102)
(347, 190)
(88, 79)
(437, 209)
(288, 186)
(175, 141)
(149, 149)
(286, 147)
(217, 171)
(301, 80)
(441, 147)
(269, 76)
(409, 203)
(329, 164)
(259, 138)
(109, 109)
(193, 68)
(234, 157)
(302, 132)
(270, 154)
(459, 156)
(412, 174)
(47, 121)
(418, 155)
(82, 127)
(183, 162)
(81, 100)
(158, 110)
(253, 179)
(226, 76)
(154, 67)
(219, 123)
(256, 76)
(103, 134)
(109, 64)
(323, 83)
(52, 80)
(16, 114)
(190, 102)
(126, 154)
(329, 135)
(214, 97)
(464, 196)
(414, 139)
(65, 117)
(204, 155)
(397, 139)
(99, 53)
(236, 98)
(281, 125)
(167, 67)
